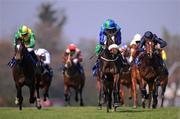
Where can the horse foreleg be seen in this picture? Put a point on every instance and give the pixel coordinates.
(163, 86)
(121, 93)
(66, 94)
(134, 91)
(38, 103)
(143, 92)
(76, 95)
(32, 98)
(151, 89)
(116, 89)
(162, 95)
(81, 97)
(99, 88)
(45, 94)
(19, 98)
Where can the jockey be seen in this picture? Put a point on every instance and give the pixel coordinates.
(44, 56)
(28, 38)
(123, 50)
(160, 43)
(136, 39)
(75, 54)
(109, 26)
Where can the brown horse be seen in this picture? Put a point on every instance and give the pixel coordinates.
(109, 72)
(135, 74)
(43, 80)
(24, 73)
(147, 75)
(125, 77)
(73, 78)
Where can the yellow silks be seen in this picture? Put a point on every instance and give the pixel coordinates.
(164, 55)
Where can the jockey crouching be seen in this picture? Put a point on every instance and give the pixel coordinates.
(109, 26)
(75, 53)
(44, 57)
(158, 53)
(28, 38)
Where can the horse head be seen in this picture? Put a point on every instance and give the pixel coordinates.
(69, 62)
(133, 52)
(149, 47)
(20, 49)
(111, 38)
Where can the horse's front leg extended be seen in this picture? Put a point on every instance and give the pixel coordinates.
(150, 94)
(143, 84)
(19, 98)
(45, 94)
(38, 103)
(134, 90)
(32, 98)
(81, 97)
(121, 93)
(66, 94)
(99, 88)
(116, 88)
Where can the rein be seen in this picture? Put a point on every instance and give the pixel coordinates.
(109, 60)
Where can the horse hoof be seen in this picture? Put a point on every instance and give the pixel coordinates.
(134, 107)
(116, 105)
(99, 107)
(154, 106)
(39, 107)
(16, 101)
(81, 104)
(130, 97)
(32, 100)
(76, 99)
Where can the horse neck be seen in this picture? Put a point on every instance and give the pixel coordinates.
(106, 54)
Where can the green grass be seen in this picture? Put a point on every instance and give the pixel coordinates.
(89, 113)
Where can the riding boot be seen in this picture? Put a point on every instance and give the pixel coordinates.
(12, 62)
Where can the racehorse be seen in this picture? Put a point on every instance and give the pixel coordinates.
(73, 78)
(135, 75)
(125, 77)
(43, 80)
(109, 72)
(149, 74)
(24, 73)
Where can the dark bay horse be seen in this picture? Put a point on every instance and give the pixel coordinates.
(109, 72)
(43, 80)
(23, 73)
(73, 78)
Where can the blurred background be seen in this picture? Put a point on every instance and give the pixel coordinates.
(57, 23)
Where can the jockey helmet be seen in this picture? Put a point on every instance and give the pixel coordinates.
(23, 30)
(109, 24)
(72, 47)
(148, 34)
(136, 39)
